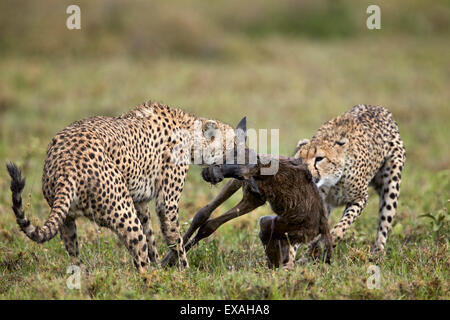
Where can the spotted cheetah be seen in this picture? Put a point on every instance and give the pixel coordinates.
(361, 147)
(108, 169)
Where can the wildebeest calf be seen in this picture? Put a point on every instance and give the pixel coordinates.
(292, 195)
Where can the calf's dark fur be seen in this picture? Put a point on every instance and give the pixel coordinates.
(292, 195)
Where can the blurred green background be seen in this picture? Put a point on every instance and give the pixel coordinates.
(284, 64)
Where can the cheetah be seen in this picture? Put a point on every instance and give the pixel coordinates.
(358, 149)
(108, 169)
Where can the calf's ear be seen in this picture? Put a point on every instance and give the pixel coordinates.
(241, 130)
(253, 188)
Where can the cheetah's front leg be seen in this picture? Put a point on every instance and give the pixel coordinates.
(167, 200)
(351, 212)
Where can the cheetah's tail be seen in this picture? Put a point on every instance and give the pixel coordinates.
(57, 216)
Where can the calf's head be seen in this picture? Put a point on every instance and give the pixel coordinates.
(246, 172)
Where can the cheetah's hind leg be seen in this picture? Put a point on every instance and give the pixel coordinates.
(68, 233)
(144, 216)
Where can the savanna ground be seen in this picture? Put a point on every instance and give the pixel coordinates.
(288, 66)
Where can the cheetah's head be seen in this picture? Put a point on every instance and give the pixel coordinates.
(325, 159)
(218, 141)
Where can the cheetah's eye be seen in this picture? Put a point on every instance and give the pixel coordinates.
(318, 159)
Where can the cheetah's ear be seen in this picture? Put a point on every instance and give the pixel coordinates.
(209, 129)
(210, 125)
(302, 142)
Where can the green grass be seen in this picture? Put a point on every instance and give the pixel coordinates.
(277, 81)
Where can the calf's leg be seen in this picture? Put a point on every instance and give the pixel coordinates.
(203, 215)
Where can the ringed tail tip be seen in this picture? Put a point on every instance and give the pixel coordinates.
(17, 182)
